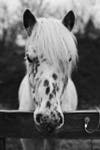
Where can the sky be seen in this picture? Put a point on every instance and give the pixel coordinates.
(67, 4)
(12, 4)
(82, 8)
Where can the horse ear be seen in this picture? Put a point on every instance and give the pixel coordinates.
(29, 21)
(69, 20)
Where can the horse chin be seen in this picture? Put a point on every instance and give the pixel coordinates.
(45, 130)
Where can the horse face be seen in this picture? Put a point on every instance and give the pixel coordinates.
(47, 84)
(49, 38)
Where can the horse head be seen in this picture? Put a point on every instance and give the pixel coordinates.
(50, 54)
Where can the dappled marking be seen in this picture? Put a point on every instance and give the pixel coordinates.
(48, 104)
(50, 96)
(55, 88)
(46, 83)
(54, 76)
(47, 90)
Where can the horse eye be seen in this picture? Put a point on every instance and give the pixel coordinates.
(29, 59)
(70, 59)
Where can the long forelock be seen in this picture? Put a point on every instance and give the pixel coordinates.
(52, 39)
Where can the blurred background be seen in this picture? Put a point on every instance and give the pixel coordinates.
(12, 41)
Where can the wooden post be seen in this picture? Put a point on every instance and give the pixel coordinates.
(2, 144)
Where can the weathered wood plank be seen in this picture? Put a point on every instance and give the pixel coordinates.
(21, 124)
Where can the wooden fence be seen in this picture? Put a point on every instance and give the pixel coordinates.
(78, 125)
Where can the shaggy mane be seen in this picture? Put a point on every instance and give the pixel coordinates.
(52, 39)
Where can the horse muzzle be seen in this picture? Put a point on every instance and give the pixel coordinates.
(49, 122)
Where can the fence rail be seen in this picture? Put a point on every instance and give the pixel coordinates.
(78, 124)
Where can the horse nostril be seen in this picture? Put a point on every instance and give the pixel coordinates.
(61, 119)
(38, 118)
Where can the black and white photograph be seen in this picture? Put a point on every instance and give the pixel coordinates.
(49, 74)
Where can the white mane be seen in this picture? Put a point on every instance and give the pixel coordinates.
(52, 39)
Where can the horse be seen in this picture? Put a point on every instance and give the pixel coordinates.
(47, 89)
